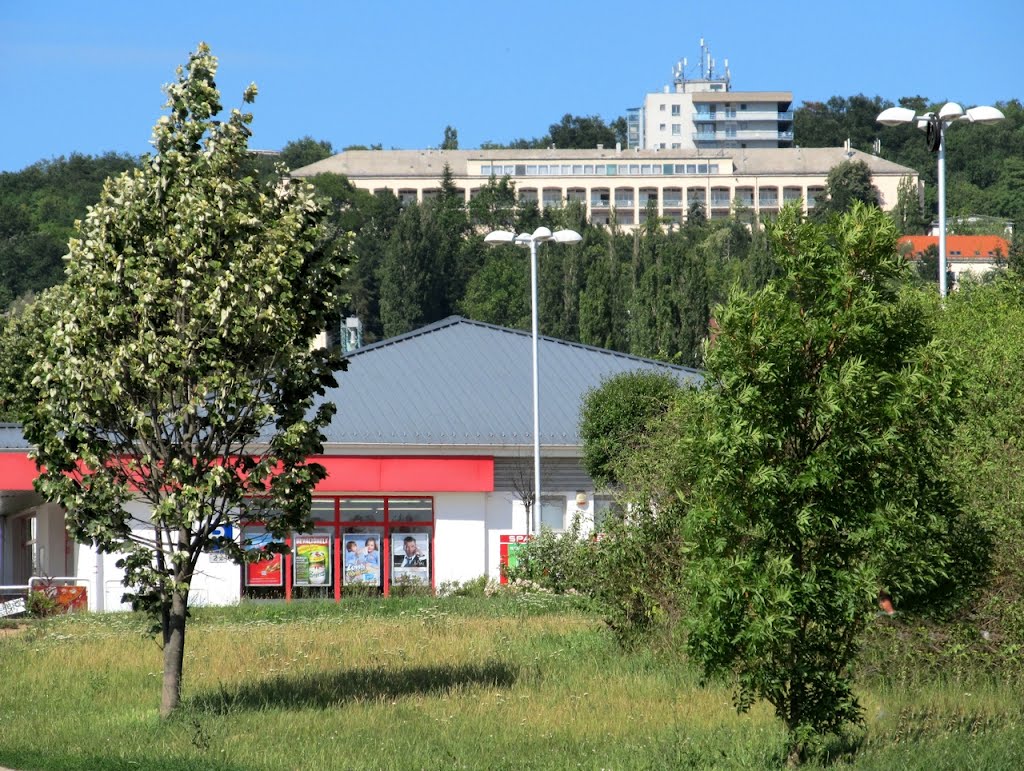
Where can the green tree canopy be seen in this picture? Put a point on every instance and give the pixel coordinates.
(847, 183)
(176, 370)
(302, 152)
(616, 416)
(820, 484)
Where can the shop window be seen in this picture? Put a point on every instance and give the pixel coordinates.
(362, 509)
(411, 560)
(552, 512)
(362, 572)
(263, 572)
(313, 564)
(359, 546)
(411, 510)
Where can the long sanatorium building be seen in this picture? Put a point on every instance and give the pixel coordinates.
(616, 184)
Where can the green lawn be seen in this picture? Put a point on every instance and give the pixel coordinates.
(429, 683)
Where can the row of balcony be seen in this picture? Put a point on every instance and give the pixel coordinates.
(671, 199)
(720, 115)
(718, 201)
(742, 136)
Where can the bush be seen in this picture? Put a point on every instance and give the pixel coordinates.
(41, 604)
(475, 587)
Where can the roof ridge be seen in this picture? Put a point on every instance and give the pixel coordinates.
(455, 320)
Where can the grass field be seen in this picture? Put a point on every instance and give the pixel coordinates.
(413, 683)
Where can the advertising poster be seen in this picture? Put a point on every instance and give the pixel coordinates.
(361, 558)
(267, 571)
(510, 546)
(410, 554)
(312, 560)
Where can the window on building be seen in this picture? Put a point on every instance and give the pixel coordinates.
(676, 145)
(675, 109)
(359, 546)
(552, 512)
(606, 508)
(661, 107)
(661, 126)
(677, 129)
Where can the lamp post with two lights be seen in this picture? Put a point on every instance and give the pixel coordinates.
(532, 240)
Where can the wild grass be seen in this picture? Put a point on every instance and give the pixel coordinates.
(527, 682)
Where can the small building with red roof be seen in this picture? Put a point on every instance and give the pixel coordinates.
(964, 254)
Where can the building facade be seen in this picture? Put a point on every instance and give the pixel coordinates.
(428, 460)
(624, 186)
(965, 255)
(700, 111)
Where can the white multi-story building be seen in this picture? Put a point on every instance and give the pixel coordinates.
(620, 185)
(703, 112)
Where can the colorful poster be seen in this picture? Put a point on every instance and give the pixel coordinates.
(268, 571)
(510, 546)
(361, 558)
(410, 558)
(312, 560)
(71, 597)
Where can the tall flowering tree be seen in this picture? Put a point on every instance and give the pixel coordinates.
(177, 371)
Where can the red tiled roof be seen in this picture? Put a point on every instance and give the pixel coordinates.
(982, 248)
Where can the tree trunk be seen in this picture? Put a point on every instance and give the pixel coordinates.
(174, 651)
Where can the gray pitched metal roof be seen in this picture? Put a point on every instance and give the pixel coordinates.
(465, 383)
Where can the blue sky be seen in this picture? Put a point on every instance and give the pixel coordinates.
(86, 76)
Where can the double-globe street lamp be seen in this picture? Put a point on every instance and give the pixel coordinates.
(531, 240)
(935, 126)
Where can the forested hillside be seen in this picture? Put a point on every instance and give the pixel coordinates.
(984, 164)
(649, 292)
(38, 208)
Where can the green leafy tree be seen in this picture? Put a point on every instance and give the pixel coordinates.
(451, 139)
(1015, 255)
(379, 219)
(408, 275)
(581, 132)
(847, 183)
(821, 485)
(615, 417)
(499, 293)
(177, 370)
(907, 214)
(494, 206)
(302, 152)
(606, 297)
(984, 324)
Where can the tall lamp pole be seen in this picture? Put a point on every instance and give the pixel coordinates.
(531, 240)
(935, 125)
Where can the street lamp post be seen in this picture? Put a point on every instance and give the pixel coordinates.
(531, 240)
(935, 125)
